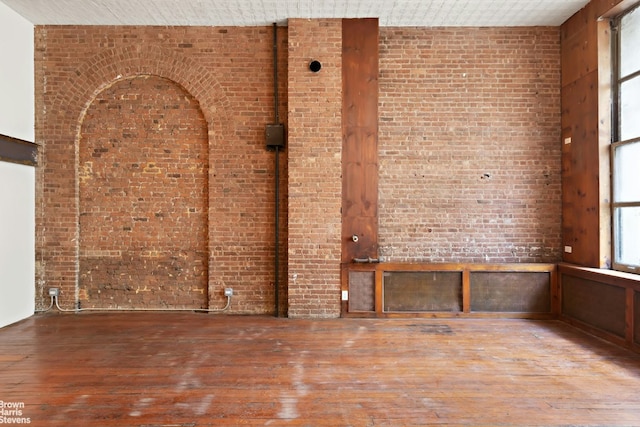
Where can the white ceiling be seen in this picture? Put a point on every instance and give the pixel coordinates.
(391, 13)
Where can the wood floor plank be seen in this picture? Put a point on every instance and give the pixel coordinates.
(191, 369)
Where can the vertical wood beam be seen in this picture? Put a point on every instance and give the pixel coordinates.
(359, 138)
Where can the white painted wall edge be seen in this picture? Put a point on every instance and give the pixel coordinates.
(17, 182)
(17, 242)
(17, 93)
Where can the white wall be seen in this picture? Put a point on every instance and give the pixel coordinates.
(16, 75)
(17, 242)
(17, 182)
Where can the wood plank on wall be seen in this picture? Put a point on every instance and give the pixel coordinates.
(579, 53)
(360, 138)
(580, 172)
(18, 151)
(586, 122)
(585, 130)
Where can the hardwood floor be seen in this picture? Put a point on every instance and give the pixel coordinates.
(191, 369)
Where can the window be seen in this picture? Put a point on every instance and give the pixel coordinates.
(625, 148)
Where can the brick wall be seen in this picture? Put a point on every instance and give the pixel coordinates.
(143, 197)
(315, 189)
(469, 151)
(469, 145)
(217, 77)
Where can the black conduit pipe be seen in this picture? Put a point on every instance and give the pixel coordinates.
(277, 175)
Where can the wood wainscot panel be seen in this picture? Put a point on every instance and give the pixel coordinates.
(407, 291)
(593, 303)
(447, 289)
(362, 289)
(603, 302)
(636, 318)
(521, 292)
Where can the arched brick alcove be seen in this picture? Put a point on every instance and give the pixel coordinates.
(143, 188)
(63, 131)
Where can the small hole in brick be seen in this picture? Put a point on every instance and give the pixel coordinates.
(315, 66)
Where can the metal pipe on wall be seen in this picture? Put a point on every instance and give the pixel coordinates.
(275, 140)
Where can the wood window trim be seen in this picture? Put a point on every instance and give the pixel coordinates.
(613, 55)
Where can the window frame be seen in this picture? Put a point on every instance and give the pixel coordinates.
(616, 84)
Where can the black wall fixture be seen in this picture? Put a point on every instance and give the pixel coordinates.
(315, 66)
(275, 136)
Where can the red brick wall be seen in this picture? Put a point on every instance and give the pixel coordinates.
(469, 140)
(315, 189)
(143, 197)
(226, 73)
(470, 144)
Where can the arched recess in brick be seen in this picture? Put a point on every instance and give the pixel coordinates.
(143, 204)
(59, 130)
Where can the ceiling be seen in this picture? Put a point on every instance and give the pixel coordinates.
(391, 13)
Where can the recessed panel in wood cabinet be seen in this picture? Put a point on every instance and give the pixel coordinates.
(422, 291)
(521, 292)
(595, 304)
(362, 291)
(636, 317)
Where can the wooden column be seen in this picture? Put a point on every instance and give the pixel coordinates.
(359, 139)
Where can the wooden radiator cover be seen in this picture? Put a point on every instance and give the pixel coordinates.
(450, 290)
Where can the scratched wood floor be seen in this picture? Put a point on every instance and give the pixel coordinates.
(190, 369)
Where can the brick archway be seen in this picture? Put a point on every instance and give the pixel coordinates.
(143, 198)
(58, 250)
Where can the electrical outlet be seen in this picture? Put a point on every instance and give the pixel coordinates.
(228, 292)
(54, 292)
